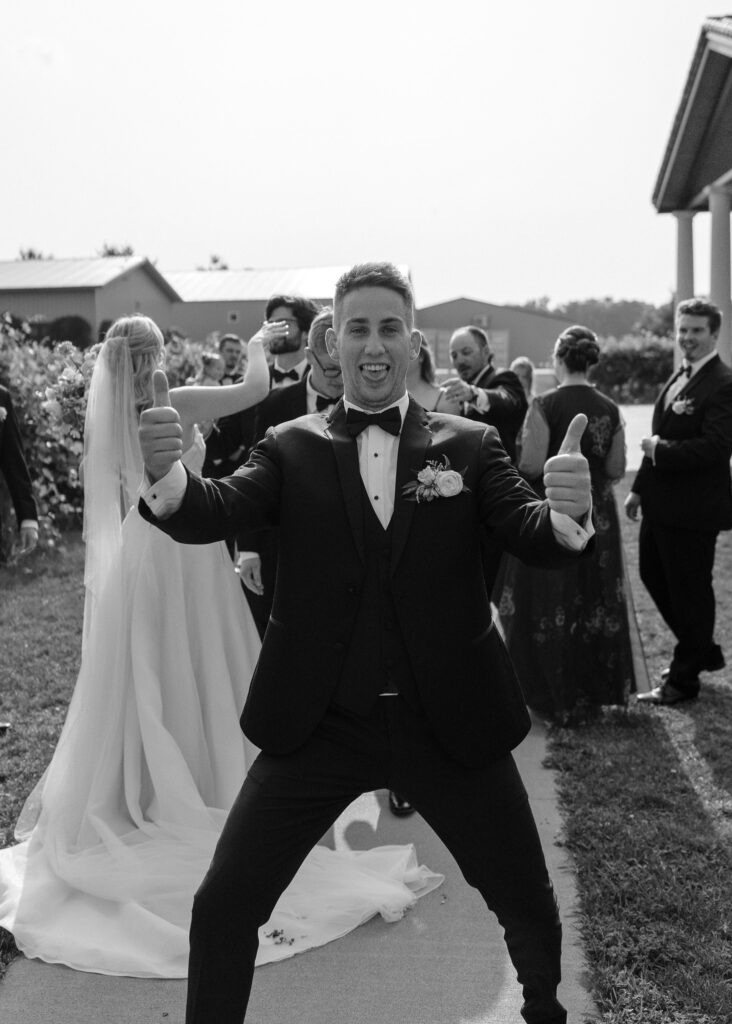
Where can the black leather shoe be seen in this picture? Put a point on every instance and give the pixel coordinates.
(399, 806)
(666, 694)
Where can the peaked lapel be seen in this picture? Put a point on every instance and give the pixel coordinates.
(691, 385)
(349, 473)
(413, 443)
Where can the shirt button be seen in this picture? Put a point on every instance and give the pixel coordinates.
(376, 497)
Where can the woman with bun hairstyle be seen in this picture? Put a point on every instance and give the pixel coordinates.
(568, 632)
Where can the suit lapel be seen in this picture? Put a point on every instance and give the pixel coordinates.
(413, 443)
(349, 473)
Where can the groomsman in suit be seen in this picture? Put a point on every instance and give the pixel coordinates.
(317, 391)
(683, 491)
(381, 667)
(17, 477)
(231, 350)
(287, 320)
(497, 399)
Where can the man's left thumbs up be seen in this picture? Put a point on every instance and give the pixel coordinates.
(567, 474)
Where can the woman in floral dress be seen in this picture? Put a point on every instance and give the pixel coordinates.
(568, 631)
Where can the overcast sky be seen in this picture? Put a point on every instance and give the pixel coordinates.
(504, 150)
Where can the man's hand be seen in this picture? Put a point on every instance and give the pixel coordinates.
(28, 539)
(457, 390)
(632, 505)
(160, 432)
(249, 567)
(648, 445)
(567, 474)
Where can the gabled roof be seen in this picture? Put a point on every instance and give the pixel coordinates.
(252, 285)
(699, 149)
(545, 314)
(76, 274)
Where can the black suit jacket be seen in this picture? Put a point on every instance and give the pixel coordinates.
(12, 461)
(508, 405)
(688, 483)
(233, 437)
(305, 477)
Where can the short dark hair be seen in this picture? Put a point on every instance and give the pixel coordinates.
(701, 307)
(319, 327)
(578, 348)
(229, 337)
(477, 332)
(375, 275)
(304, 310)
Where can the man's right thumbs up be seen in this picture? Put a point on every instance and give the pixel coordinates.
(160, 431)
(161, 394)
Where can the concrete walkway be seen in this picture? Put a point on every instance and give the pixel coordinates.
(444, 963)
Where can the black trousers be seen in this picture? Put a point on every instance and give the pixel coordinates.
(288, 802)
(676, 567)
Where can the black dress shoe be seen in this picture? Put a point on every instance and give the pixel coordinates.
(399, 806)
(666, 694)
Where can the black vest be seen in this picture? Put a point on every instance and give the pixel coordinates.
(376, 661)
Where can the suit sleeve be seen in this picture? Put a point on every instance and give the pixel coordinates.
(510, 511)
(713, 445)
(14, 466)
(214, 510)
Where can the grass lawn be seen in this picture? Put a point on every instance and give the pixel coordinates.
(646, 796)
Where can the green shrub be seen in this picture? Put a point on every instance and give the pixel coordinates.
(632, 370)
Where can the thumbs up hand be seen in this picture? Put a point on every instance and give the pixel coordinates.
(160, 431)
(567, 474)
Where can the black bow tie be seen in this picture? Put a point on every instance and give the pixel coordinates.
(280, 375)
(389, 420)
(322, 402)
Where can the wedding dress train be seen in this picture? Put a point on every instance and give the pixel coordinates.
(117, 835)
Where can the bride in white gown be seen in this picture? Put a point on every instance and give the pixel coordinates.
(117, 835)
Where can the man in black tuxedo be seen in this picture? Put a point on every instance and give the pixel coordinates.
(287, 320)
(381, 667)
(318, 391)
(497, 399)
(15, 470)
(683, 491)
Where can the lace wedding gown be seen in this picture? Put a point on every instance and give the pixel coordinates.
(119, 832)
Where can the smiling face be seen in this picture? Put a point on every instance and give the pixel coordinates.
(467, 355)
(694, 337)
(373, 341)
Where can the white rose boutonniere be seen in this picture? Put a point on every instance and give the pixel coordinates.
(683, 406)
(3, 413)
(436, 480)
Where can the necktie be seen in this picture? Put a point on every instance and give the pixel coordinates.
(389, 420)
(279, 375)
(322, 402)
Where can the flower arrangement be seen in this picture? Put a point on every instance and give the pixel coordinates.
(683, 406)
(435, 480)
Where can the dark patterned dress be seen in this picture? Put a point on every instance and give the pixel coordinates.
(569, 630)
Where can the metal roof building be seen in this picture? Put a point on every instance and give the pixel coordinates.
(96, 289)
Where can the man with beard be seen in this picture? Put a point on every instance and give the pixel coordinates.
(496, 399)
(287, 320)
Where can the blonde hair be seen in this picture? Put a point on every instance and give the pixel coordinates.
(144, 342)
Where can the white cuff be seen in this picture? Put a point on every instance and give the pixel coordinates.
(165, 496)
(482, 400)
(29, 524)
(569, 533)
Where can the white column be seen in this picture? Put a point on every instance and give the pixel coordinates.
(684, 254)
(719, 207)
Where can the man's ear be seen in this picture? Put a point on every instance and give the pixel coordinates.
(331, 343)
(415, 343)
